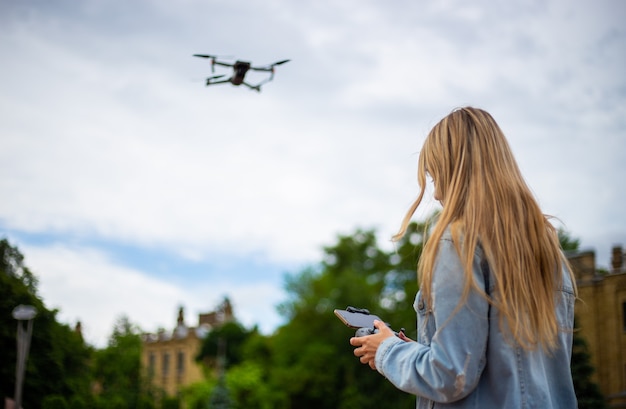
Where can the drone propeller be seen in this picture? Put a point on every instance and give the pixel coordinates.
(272, 70)
(205, 56)
(280, 62)
(213, 58)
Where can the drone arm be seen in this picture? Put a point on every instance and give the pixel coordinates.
(269, 68)
(214, 62)
(265, 81)
(264, 69)
(223, 64)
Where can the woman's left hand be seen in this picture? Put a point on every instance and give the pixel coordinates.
(368, 345)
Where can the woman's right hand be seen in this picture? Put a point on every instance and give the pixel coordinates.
(404, 337)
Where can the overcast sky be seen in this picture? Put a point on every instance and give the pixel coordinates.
(131, 188)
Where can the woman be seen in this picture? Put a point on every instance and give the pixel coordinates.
(495, 309)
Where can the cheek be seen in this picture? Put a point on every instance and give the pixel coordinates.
(436, 192)
(438, 196)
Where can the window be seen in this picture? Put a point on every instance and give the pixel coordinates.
(151, 363)
(180, 363)
(166, 363)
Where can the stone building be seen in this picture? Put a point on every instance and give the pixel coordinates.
(601, 317)
(169, 357)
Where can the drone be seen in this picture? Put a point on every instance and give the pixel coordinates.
(240, 68)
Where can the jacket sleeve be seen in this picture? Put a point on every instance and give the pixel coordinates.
(449, 368)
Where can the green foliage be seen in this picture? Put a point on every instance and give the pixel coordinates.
(196, 396)
(587, 392)
(306, 363)
(248, 387)
(12, 264)
(568, 243)
(247, 359)
(77, 402)
(58, 358)
(220, 396)
(54, 402)
(170, 402)
(313, 362)
(117, 369)
(230, 338)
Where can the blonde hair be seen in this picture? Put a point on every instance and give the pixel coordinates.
(486, 201)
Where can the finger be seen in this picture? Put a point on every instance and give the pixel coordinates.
(354, 341)
(379, 324)
(382, 328)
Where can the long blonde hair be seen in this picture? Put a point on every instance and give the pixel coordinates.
(486, 200)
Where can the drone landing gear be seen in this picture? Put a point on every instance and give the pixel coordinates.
(211, 80)
(256, 88)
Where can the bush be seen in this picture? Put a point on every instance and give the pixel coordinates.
(54, 402)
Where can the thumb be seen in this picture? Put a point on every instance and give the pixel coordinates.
(382, 327)
(379, 324)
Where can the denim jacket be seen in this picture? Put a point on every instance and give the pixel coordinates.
(462, 359)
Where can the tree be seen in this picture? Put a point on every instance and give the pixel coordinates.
(587, 392)
(196, 395)
(58, 359)
(247, 385)
(220, 397)
(567, 242)
(117, 369)
(241, 359)
(228, 339)
(54, 402)
(312, 361)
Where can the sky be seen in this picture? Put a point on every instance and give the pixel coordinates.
(132, 189)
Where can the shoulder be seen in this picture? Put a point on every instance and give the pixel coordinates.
(567, 284)
(453, 244)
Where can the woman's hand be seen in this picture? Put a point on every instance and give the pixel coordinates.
(368, 345)
(404, 337)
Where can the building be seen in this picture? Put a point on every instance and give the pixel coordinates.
(601, 317)
(169, 358)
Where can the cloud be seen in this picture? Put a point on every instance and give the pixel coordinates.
(108, 135)
(87, 285)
